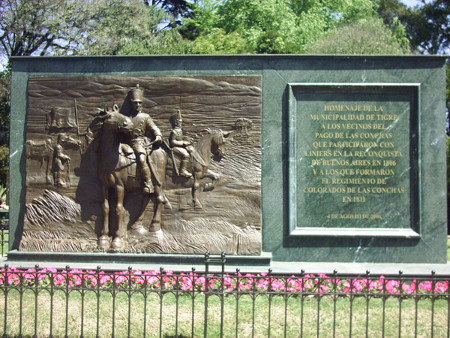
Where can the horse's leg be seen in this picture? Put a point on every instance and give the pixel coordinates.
(214, 179)
(155, 226)
(117, 241)
(138, 225)
(103, 241)
(195, 189)
(48, 180)
(159, 158)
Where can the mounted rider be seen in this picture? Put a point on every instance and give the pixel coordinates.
(142, 131)
(179, 145)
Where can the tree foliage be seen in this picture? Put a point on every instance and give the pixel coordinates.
(277, 26)
(178, 9)
(427, 25)
(5, 78)
(88, 27)
(366, 37)
(218, 42)
(40, 27)
(131, 27)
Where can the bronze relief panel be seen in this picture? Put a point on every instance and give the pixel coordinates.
(157, 164)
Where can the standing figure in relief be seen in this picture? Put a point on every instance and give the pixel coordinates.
(59, 159)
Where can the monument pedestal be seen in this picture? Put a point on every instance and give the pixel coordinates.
(330, 158)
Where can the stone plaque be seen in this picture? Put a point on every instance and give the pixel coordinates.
(353, 160)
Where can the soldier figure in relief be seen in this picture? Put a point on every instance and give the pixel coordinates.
(180, 146)
(143, 129)
(59, 159)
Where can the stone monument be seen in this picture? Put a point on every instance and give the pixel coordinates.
(297, 158)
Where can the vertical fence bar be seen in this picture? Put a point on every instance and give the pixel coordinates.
(83, 290)
(66, 289)
(400, 274)
(302, 274)
(21, 291)
(129, 292)
(448, 307)
(177, 295)
(205, 324)
(98, 301)
(270, 303)
(367, 301)
(334, 301)
(286, 298)
(383, 319)
(145, 303)
(161, 295)
(193, 302)
(5, 323)
(222, 305)
(114, 295)
(433, 298)
(352, 281)
(416, 307)
(52, 294)
(237, 302)
(318, 308)
(36, 299)
(253, 295)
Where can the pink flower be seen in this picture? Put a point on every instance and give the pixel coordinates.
(104, 279)
(358, 285)
(441, 287)
(408, 289)
(13, 279)
(426, 286)
(392, 286)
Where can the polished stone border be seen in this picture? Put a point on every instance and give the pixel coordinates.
(294, 229)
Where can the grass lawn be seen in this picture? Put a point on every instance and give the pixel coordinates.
(185, 316)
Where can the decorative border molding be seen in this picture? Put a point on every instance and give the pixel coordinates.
(415, 201)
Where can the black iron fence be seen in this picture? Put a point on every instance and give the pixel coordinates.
(4, 235)
(73, 302)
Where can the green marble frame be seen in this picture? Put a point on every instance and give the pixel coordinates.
(277, 73)
(414, 230)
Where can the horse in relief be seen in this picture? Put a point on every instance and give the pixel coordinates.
(114, 174)
(210, 146)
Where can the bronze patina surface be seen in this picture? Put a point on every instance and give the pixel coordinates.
(157, 164)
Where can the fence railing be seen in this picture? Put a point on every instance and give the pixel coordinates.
(73, 302)
(4, 235)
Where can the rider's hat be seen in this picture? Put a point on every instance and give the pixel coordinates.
(136, 94)
(175, 116)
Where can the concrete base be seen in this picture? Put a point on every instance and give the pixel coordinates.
(253, 264)
(121, 261)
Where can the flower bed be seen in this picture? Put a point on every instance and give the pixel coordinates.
(309, 284)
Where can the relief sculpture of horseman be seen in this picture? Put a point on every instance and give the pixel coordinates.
(144, 135)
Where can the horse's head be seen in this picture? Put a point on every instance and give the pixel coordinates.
(218, 144)
(114, 119)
